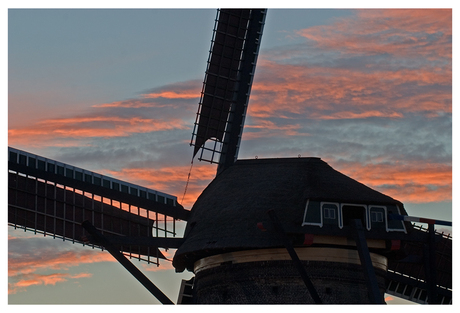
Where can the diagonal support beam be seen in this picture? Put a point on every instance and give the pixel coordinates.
(429, 257)
(372, 286)
(295, 258)
(101, 239)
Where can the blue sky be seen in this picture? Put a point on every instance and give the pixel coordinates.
(116, 92)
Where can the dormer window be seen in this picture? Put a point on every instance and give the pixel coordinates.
(318, 213)
(352, 212)
(376, 217)
(329, 213)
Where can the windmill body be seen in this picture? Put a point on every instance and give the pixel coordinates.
(235, 261)
(286, 230)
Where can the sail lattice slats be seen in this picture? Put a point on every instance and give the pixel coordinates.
(407, 276)
(54, 198)
(232, 46)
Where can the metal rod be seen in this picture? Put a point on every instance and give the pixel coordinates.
(429, 255)
(294, 257)
(374, 292)
(428, 221)
(157, 293)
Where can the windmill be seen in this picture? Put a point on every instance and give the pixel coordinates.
(289, 230)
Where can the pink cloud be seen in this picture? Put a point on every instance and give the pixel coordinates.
(26, 270)
(297, 89)
(54, 260)
(174, 95)
(351, 115)
(374, 31)
(416, 182)
(283, 87)
(40, 279)
(88, 127)
(171, 179)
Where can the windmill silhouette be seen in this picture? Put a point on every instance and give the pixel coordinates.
(287, 230)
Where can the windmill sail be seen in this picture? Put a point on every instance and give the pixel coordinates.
(407, 277)
(54, 198)
(227, 85)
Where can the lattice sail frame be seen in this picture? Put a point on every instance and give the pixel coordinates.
(227, 84)
(53, 198)
(407, 279)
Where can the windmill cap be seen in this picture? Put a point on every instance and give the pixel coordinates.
(226, 214)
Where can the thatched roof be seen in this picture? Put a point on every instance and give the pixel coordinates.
(225, 216)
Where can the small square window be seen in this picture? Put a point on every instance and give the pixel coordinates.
(376, 217)
(329, 213)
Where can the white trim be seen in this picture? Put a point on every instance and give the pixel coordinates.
(385, 215)
(402, 223)
(337, 205)
(320, 224)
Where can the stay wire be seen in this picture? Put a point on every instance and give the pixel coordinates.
(188, 180)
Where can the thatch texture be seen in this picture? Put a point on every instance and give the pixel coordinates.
(225, 216)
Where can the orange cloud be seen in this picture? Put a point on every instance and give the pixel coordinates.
(131, 103)
(37, 279)
(351, 115)
(372, 88)
(89, 127)
(56, 261)
(173, 95)
(375, 31)
(171, 179)
(24, 270)
(178, 91)
(50, 279)
(316, 91)
(142, 103)
(414, 182)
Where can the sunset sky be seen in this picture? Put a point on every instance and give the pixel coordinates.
(116, 92)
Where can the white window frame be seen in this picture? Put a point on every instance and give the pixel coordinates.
(378, 216)
(337, 205)
(366, 211)
(329, 211)
(402, 223)
(320, 224)
(385, 214)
